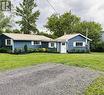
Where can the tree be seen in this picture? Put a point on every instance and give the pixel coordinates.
(45, 34)
(65, 23)
(28, 16)
(93, 29)
(4, 23)
(16, 31)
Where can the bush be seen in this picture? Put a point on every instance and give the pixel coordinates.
(5, 50)
(52, 50)
(78, 51)
(19, 51)
(25, 48)
(99, 47)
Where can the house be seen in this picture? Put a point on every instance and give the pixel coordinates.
(18, 41)
(73, 43)
(64, 44)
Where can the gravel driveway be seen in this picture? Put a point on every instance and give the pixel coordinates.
(46, 79)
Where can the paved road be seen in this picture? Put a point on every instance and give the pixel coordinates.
(46, 79)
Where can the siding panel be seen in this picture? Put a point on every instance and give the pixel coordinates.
(70, 46)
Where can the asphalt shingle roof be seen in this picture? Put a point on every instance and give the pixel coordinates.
(27, 37)
(69, 36)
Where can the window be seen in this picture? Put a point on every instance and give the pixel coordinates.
(52, 44)
(8, 42)
(63, 43)
(78, 44)
(36, 43)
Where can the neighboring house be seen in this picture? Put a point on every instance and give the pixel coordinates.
(73, 43)
(64, 44)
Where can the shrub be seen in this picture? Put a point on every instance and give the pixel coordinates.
(18, 51)
(100, 47)
(76, 50)
(5, 50)
(25, 48)
(52, 50)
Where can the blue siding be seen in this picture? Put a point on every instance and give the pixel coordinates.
(2, 41)
(21, 44)
(70, 46)
(58, 45)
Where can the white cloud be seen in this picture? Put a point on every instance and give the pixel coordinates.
(87, 9)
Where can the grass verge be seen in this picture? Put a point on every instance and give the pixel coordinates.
(96, 88)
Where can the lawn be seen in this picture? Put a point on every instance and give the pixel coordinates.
(93, 60)
(96, 88)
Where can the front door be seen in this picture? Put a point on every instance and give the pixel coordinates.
(63, 47)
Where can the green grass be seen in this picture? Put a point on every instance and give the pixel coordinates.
(96, 88)
(93, 60)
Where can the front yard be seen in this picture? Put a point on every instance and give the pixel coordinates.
(92, 61)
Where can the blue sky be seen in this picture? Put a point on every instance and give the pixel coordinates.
(91, 10)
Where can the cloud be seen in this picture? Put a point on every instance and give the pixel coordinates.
(87, 9)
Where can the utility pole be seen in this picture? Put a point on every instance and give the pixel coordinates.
(86, 39)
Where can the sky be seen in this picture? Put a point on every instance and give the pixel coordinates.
(90, 10)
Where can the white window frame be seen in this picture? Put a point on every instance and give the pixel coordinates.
(32, 43)
(50, 45)
(83, 44)
(11, 42)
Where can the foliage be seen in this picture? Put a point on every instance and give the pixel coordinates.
(96, 88)
(45, 34)
(16, 31)
(4, 22)
(28, 16)
(18, 51)
(65, 23)
(76, 50)
(25, 48)
(94, 31)
(5, 50)
(32, 50)
(99, 47)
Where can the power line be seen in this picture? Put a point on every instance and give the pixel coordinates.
(52, 6)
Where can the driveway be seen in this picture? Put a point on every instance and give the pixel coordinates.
(46, 79)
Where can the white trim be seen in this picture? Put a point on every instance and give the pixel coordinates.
(49, 44)
(32, 43)
(63, 48)
(74, 44)
(85, 37)
(11, 42)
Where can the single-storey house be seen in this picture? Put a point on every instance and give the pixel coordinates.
(64, 44)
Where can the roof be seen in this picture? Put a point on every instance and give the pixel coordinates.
(69, 36)
(27, 37)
